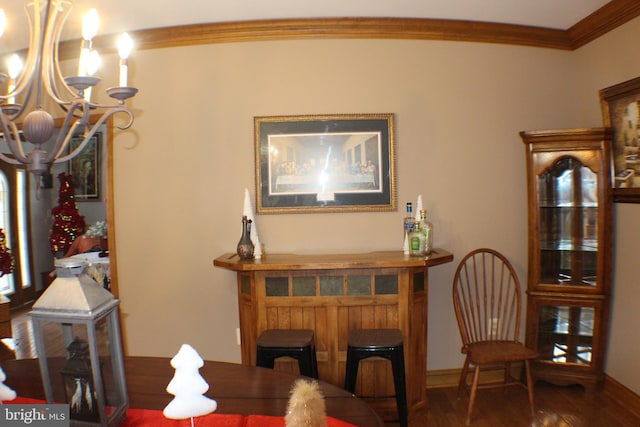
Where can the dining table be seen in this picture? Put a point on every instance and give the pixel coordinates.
(238, 389)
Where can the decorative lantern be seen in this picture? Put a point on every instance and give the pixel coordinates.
(81, 361)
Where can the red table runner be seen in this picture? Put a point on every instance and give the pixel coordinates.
(155, 418)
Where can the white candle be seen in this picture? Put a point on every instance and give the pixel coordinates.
(123, 72)
(124, 49)
(15, 66)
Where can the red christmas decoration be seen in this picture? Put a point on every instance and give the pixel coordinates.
(68, 223)
(6, 259)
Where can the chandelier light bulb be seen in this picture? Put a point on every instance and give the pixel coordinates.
(3, 21)
(125, 46)
(90, 23)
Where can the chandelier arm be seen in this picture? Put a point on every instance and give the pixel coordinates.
(27, 73)
(12, 138)
(51, 73)
(68, 130)
(94, 128)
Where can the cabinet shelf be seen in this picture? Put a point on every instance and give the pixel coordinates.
(568, 284)
(590, 245)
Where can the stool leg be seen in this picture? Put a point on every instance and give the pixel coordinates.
(305, 363)
(397, 363)
(351, 371)
(314, 363)
(264, 360)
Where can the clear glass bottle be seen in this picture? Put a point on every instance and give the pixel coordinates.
(416, 240)
(409, 220)
(426, 229)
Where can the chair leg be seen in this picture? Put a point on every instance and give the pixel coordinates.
(507, 375)
(527, 365)
(462, 384)
(474, 392)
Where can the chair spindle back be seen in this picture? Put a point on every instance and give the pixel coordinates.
(486, 297)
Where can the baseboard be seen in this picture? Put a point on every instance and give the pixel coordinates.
(443, 378)
(622, 394)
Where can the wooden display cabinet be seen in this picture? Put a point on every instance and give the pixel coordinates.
(570, 252)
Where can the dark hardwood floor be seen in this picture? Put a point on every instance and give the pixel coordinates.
(555, 406)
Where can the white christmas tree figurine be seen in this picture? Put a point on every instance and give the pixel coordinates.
(188, 387)
(6, 393)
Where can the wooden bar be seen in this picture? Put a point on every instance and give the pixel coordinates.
(333, 293)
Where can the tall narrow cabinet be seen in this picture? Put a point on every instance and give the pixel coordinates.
(570, 252)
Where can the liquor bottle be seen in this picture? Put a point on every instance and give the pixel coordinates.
(409, 220)
(426, 229)
(416, 240)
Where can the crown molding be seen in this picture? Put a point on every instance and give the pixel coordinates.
(605, 19)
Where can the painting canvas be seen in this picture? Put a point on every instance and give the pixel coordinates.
(85, 168)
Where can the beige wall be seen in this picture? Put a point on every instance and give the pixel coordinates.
(181, 172)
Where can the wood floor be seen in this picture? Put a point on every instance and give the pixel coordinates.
(555, 406)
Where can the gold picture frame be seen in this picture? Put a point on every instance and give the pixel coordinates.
(621, 112)
(325, 163)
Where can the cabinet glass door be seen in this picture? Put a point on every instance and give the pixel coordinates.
(565, 334)
(568, 224)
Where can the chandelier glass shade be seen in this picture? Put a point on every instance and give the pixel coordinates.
(41, 76)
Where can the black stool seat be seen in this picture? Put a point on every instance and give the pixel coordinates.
(298, 344)
(385, 343)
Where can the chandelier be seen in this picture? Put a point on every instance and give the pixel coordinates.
(41, 76)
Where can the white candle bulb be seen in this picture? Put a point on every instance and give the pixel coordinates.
(125, 45)
(90, 23)
(15, 66)
(3, 22)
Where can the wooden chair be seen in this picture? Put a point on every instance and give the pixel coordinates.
(486, 299)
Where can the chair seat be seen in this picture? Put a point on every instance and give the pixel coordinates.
(483, 352)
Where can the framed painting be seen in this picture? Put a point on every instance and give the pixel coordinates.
(621, 112)
(86, 168)
(325, 163)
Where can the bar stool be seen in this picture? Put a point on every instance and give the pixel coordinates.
(385, 343)
(298, 344)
